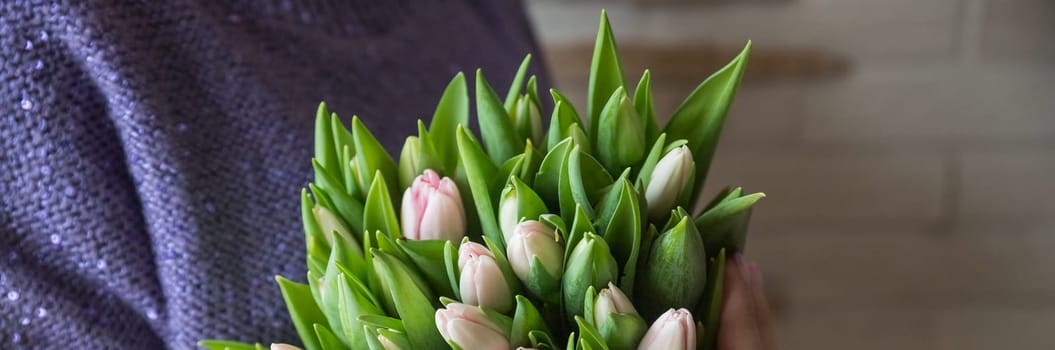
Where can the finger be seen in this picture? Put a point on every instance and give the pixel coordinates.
(738, 329)
(762, 318)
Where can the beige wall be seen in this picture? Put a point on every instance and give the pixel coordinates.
(907, 148)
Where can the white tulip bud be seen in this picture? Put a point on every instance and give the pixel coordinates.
(611, 300)
(674, 330)
(532, 239)
(668, 181)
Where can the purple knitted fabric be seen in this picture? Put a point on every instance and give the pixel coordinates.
(152, 152)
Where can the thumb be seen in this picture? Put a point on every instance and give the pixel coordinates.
(739, 328)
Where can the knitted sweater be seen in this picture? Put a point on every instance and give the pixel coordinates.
(152, 152)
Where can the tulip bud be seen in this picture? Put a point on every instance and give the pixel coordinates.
(330, 224)
(281, 346)
(675, 272)
(432, 209)
(518, 201)
(537, 258)
(611, 300)
(532, 239)
(482, 282)
(675, 330)
(591, 264)
(470, 328)
(414, 159)
(527, 120)
(620, 133)
(617, 320)
(668, 181)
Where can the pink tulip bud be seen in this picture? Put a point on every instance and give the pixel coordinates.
(674, 330)
(531, 239)
(470, 328)
(482, 282)
(611, 300)
(280, 346)
(432, 209)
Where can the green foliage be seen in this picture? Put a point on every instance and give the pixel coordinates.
(585, 176)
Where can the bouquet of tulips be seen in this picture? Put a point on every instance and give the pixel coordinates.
(582, 235)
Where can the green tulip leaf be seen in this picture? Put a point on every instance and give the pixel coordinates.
(589, 335)
(348, 208)
(325, 148)
(510, 167)
(327, 340)
(529, 205)
(342, 137)
(503, 264)
(648, 236)
(382, 321)
(526, 319)
(700, 117)
(726, 193)
(425, 254)
(606, 75)
(317, 246)
(353, 300)
(351, 173)
(397, 338)
(379, 213)
(547, 180)
(725, 224)
(541, 284)
(622, 331)
(450, 263)
(302, 310)
(541, 340)
(530, 166)
(645, 110)
(589, 301)
(644, 174)
(516, 84)
(371, 158)
(479, 170)
(452, 110)
(213, 344)
(328, 297)
(620, 223)
(372, 342)
(414, 305)
(499, 136)
(580, 225)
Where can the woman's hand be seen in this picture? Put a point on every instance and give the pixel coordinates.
(745, 316)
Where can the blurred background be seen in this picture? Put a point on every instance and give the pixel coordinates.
(907, 148)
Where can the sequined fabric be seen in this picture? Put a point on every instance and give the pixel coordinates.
(151, 152)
